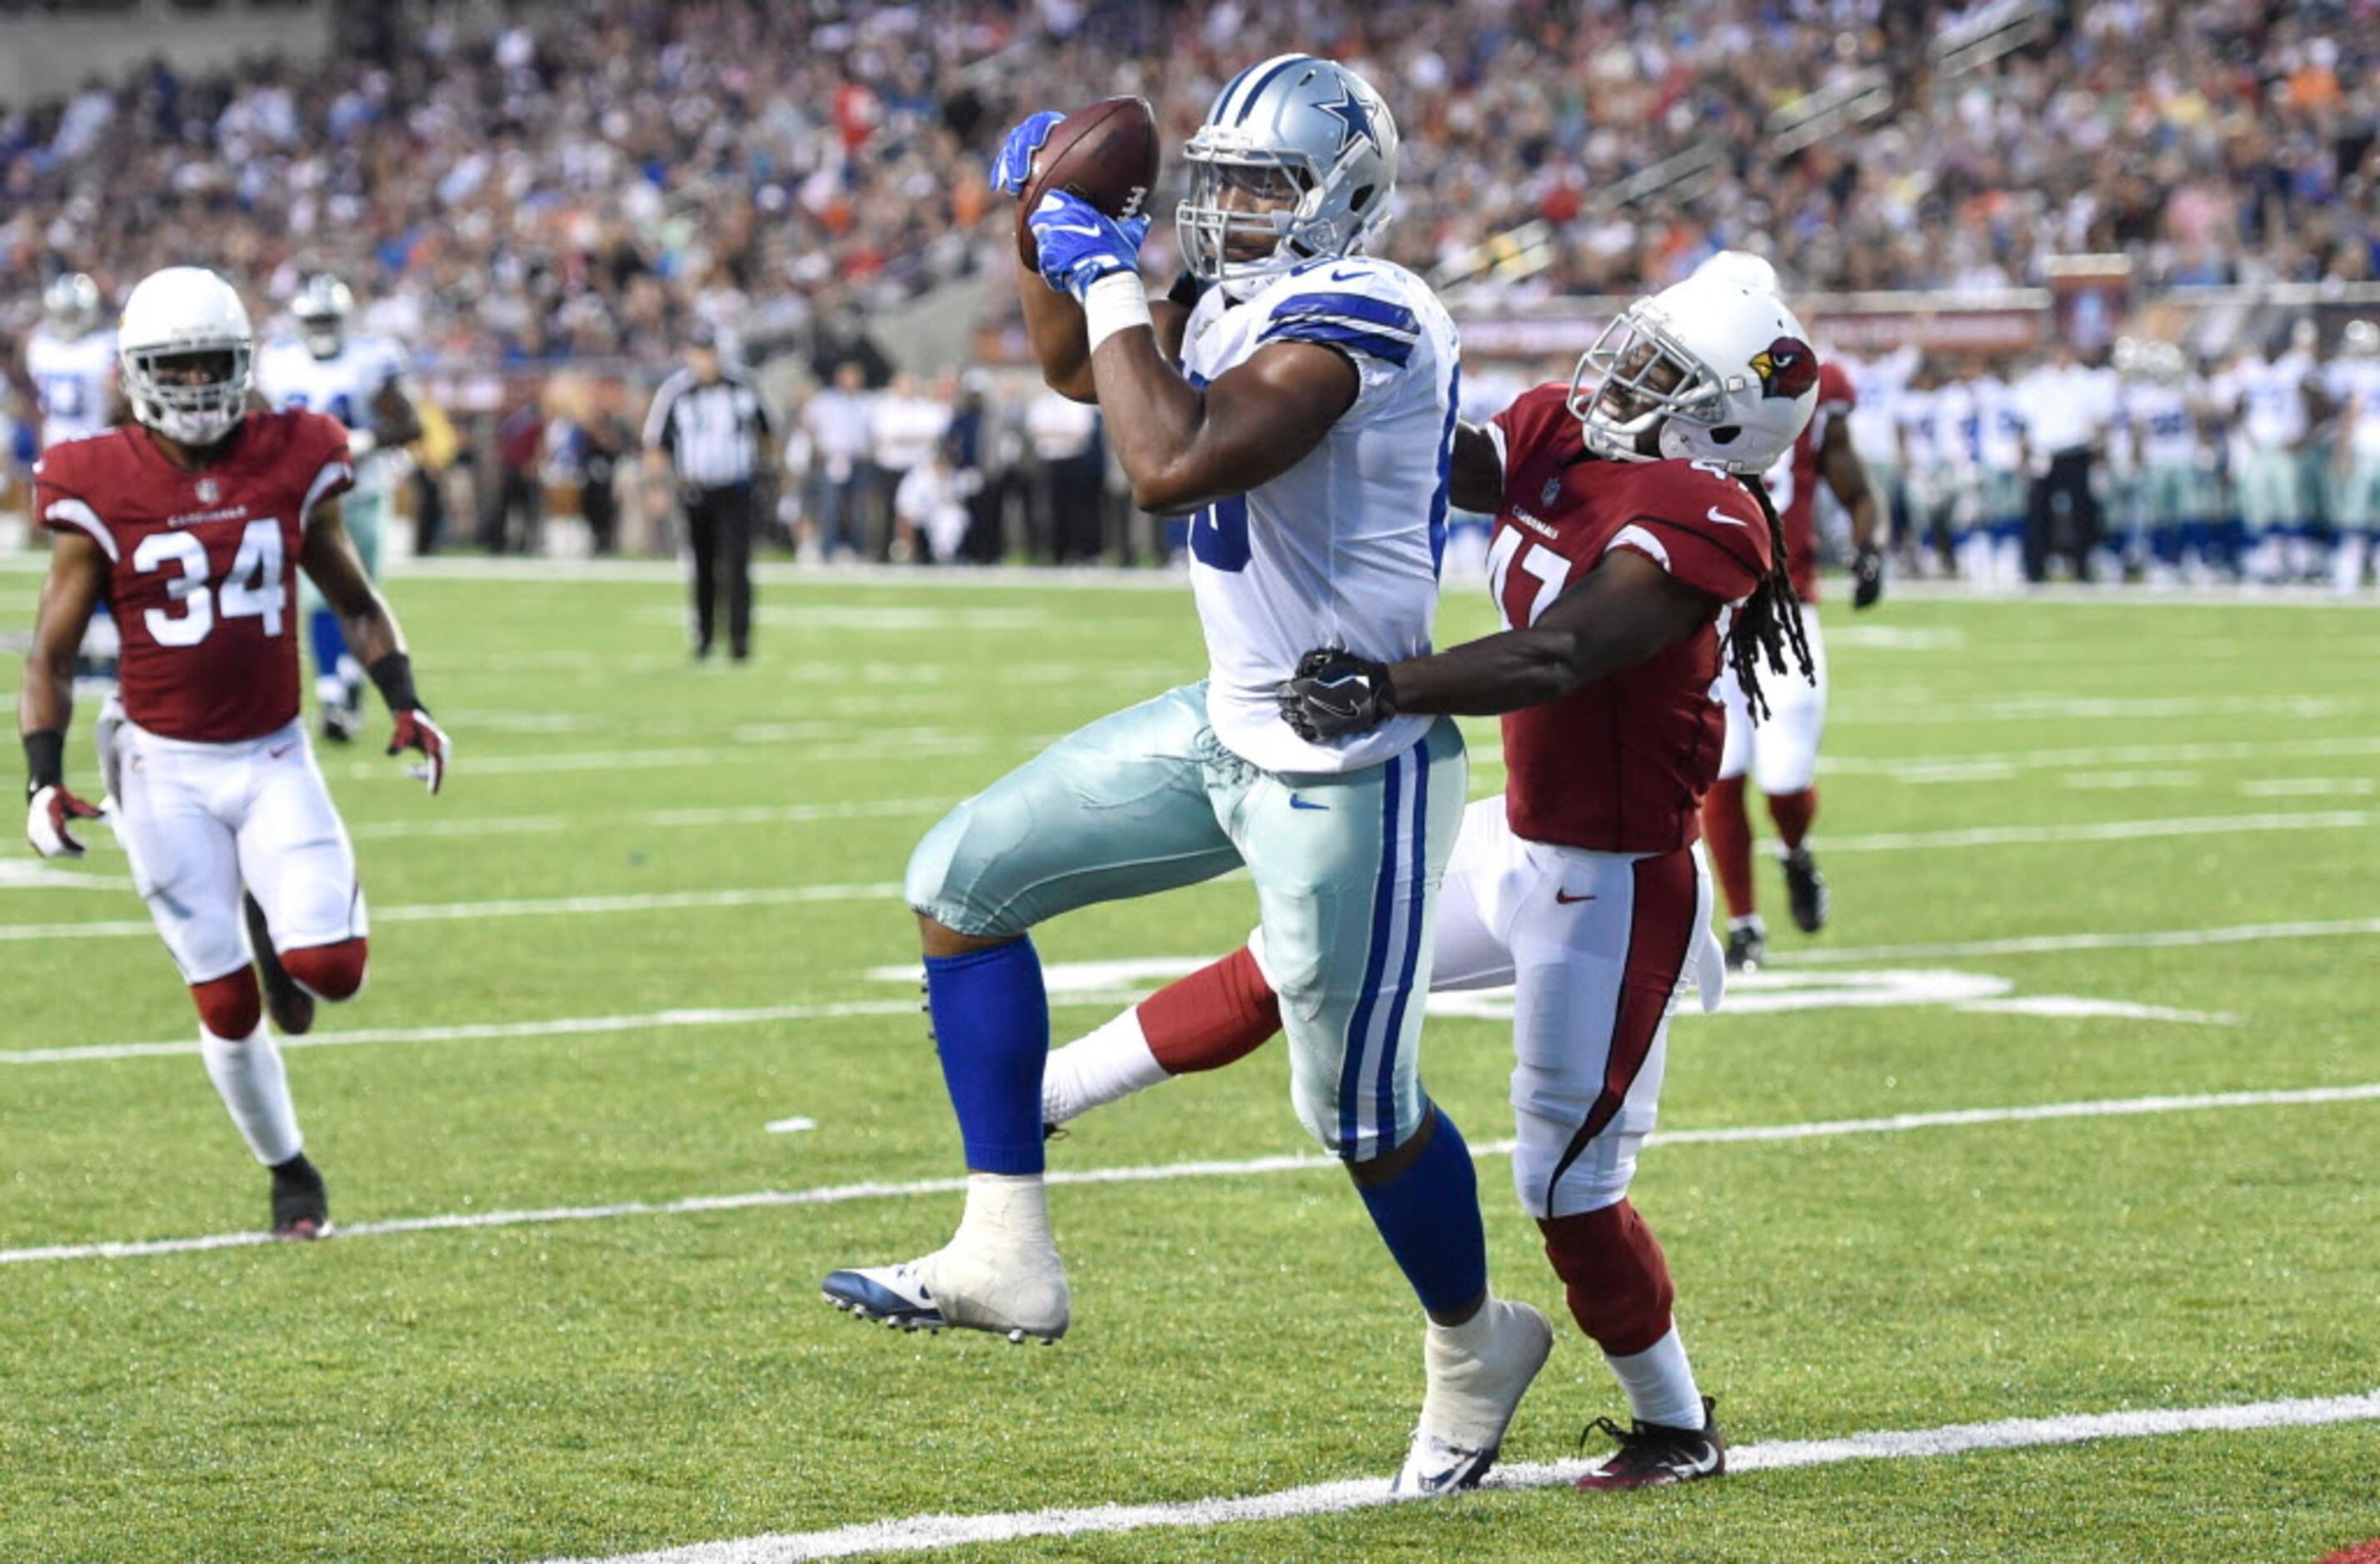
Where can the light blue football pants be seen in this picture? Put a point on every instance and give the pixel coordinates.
(1346, 868)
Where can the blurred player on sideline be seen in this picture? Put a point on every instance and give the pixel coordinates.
(1782, 753)
(70, 355)
(191, 522)
(1302, 399)
(2354, 377)
(360, 382)
(1629, 518)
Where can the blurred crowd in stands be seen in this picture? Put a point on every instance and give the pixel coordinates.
(541, 199)
(544, 180)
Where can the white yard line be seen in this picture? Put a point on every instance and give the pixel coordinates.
(1167, 1172)
(2051, 944)
(1161, 968)
(2048, 707)
(549, 906)
(2098, 830)
(566, 906)
(928, 1534)
(1909, 767)
(658, 819)
(486, 1031)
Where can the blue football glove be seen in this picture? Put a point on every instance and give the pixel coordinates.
(1014, 167)
(1080, 244)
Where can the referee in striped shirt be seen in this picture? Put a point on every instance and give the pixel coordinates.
(711, 425)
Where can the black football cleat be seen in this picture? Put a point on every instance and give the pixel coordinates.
(1653, 1456)
(1806, 890)
(291, 1007)
(1747, 945)
(301, 1206)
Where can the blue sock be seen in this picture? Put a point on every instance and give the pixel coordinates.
(1428, 1215)
(330, 644)
(992, 1028)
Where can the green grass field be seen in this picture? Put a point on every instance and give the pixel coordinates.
(638, 929)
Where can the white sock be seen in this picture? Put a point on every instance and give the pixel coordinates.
(1005, 1212)
(1094, 1070)
(1660, 1384)
(246, 1073)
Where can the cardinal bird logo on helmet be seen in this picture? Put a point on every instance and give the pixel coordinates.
(1786, 368)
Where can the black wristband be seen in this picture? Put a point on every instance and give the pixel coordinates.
(392, 676)
(1186, 291)
(45, 759)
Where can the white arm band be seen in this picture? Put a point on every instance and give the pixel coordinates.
(1117, 302)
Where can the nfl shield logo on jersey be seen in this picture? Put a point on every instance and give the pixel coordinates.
(1551, 492)
(208, 490)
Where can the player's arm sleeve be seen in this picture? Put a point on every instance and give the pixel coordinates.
(1378, 336)
(1532, 421)
(1723, 550)
(59, 507)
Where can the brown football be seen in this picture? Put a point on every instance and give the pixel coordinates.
(1105, 154)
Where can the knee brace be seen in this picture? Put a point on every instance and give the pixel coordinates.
(1615, 1275)
(329, 971)
(230, 1006)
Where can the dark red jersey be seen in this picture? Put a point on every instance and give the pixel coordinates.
(1619, 765)
(202, 578)
(1793, 482)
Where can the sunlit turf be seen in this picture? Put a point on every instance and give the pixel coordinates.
(525, 1391)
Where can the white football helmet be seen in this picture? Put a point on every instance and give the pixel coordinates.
(70, 304)
(186, 351)
(1724, 374)
(1306, 135)
(1741, 266)
(321, 309)
(2361, 340)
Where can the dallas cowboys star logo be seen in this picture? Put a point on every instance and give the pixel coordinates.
(1354, 117)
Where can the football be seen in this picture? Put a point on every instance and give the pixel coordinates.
(1106, 155)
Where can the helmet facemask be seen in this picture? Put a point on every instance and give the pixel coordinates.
(1643, 375)
(192, 394)
(322, 334)
(1249, 217)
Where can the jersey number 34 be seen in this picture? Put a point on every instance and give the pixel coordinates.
(255, 588)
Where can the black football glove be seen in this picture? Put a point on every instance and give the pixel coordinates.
(1867, 577)
(1335, 694)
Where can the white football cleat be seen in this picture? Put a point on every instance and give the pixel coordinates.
(1018, 1295)
(1478, 1372)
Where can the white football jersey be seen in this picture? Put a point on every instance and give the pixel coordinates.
(2354, 385)
(1918, 410)
(2160, 415)
(344, 386)
(76, 378)
(1880, 383)
(2272, 399)
(1342, 550)
(1999, 426)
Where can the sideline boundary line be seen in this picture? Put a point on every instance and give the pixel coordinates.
(925, 1533)
(1163, 1172)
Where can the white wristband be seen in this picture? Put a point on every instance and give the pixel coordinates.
(1115, 303)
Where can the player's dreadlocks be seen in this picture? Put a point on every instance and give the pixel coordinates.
(1769, 622)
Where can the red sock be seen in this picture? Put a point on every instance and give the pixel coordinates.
(1615, 1275)
(1793, 812)
(1220, 1013)
(1728, 830)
